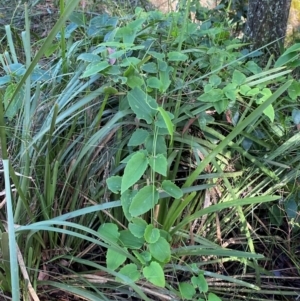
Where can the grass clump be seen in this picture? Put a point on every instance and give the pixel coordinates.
(136, 151)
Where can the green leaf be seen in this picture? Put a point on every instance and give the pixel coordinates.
(212, 96)
(269, 112)
(294, 90)
(230, 91)
(151, 234)
(162, 65)
(253, 92)
(149, 68)
(221, 105)
(160, 122)
(159, 164)
(253, 67)
(89, 57)
(109, 232)
(164, 77)
(160, 250)
(215, 80)
(208, 88)
(12, 106)
(154, 82)
(167, 120)
(285, 59)
(113, 70)
(177, 56)
(126, 199)
(128, 240)
(200, 282)
(213, 297)
(137, 227)
(276, 215)
(114, 183)
(244, 89)
(171, 189)
(266, 92)
(166, 235)
(156, 147)
(95, 68)
(144, 200)
(138, 137)
(126, 159)
(155, 274)
(291, 207)
(133, 171)
(187, 291)
(238, 77)
(134, 81)
(142, 104)
(114, 259)
(143, 257)
(130, 271)
(110, 91)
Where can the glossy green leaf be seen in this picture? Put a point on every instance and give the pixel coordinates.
(114, 259)
(151, 234)
(138, 137)
(155, 274)
(159, 164)
(160, 250)
(114, 184)
(133, 171)
(142, 104)
(144, 200)
(172, 189)
(187, 291)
